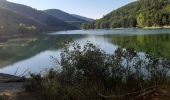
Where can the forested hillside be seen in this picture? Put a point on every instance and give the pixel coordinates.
(141, 13)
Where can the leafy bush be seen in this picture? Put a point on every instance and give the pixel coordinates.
(88, 70)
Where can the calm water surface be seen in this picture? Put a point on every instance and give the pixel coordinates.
(36, 54)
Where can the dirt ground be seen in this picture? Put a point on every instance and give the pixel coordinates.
(16, 96)
(12, 90)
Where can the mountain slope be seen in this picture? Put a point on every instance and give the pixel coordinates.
(49, 21)
(12, 23)
(63, 15)
(141, 13)
(83, 18)
(66, 17)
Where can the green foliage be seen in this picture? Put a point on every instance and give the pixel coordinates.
(87, 26)
(167, 9)
(139, 13)
(141, 20)
(90, 63)
(88, 70)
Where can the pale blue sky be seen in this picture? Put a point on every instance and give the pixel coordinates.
(88, 8)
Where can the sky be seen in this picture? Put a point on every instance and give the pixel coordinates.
(89, 8)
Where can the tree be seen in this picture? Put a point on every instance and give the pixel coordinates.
(141, 20)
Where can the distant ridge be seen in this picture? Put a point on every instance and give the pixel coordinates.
(13, 16)
(63, 15)
(66, 17)
(34, 14)
(83, 18)
(18, 20)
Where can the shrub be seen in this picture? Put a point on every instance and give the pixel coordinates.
(88, 70)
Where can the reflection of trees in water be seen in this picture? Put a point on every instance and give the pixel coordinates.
(158, 45)
(28, 47)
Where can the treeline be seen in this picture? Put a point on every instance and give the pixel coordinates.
(141, 13)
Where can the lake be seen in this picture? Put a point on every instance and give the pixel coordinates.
(37, 54)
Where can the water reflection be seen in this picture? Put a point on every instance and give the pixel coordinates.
(35, 64)
(158, 45)
(34, 53)
(42, 60)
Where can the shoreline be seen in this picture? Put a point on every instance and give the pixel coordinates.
(21, 35)
(7, 76)
(10, 84)
(121, 28)
(157, 27)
